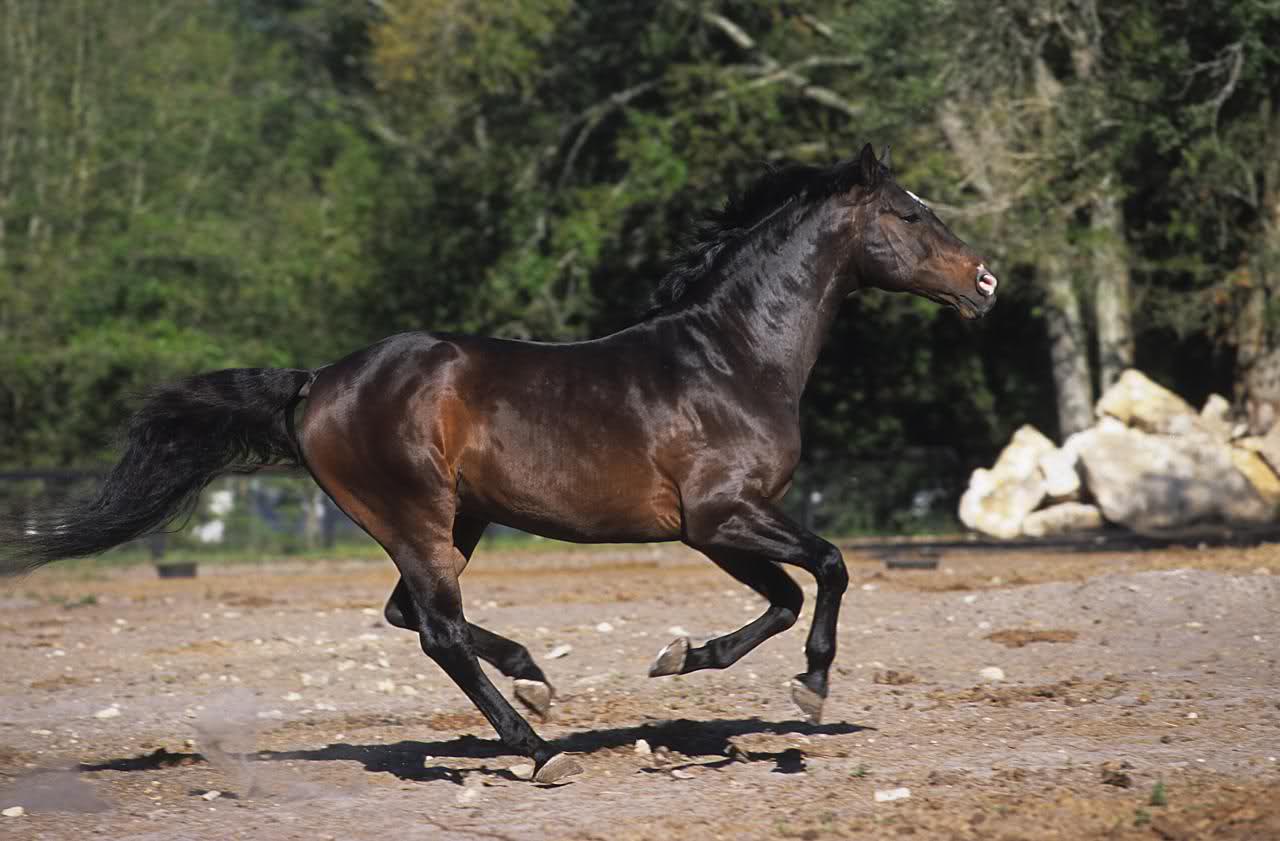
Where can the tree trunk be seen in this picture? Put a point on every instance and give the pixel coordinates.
(1112, 297)
(1067, 347)
(1257, 374)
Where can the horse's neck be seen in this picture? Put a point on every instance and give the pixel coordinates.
(775, 300)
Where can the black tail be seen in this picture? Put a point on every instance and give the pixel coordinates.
(184, 435)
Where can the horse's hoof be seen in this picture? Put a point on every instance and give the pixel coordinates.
(671, 659)
(534, 694)
(556, 769)
(809, 702)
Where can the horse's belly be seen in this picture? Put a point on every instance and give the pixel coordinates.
(571, 503)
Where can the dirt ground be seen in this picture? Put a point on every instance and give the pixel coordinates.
(1138, 701)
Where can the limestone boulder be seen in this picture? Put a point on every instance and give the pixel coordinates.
(1136, 401)
(1215, 417)
(1259, 474)
(1061, 476)
(1021, 456)
(1063, 518)
(1267, 446)
(996, 505)
(997, 500)
(1151, 483)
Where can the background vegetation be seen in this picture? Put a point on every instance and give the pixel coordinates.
(195, 184)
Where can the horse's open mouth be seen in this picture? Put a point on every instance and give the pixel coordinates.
(971, 309)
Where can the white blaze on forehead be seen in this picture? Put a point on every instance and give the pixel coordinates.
(917, 198)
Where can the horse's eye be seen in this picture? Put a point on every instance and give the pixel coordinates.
(911, 218)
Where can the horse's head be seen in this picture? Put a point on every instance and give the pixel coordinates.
(901, 246)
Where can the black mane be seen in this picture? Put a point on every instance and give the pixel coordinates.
(722, 228)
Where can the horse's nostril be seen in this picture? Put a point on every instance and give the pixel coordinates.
(986, 281)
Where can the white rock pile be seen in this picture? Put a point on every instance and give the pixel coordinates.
(1151, 464)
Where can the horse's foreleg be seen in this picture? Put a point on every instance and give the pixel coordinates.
(757, 531)
(767, 579)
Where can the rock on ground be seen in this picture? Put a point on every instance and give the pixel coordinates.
(1154, 482)
(998, 499)
(1063, 518)
(1136, 401)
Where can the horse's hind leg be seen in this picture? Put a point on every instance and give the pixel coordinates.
(767, 579)
(429, 574)
(531, 686)
(511, 658)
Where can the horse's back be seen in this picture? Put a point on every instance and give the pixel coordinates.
(556, 439)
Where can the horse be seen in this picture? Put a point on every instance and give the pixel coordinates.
(684, 426)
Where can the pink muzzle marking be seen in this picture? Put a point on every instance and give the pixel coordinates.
(986, 281)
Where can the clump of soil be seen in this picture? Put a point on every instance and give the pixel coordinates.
(1017, 638)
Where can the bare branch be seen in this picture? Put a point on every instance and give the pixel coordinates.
(818, 26)
(1233, 56)
(773, 71)
(595, 115)
(736, 33)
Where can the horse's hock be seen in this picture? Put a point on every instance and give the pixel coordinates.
(1150, 464)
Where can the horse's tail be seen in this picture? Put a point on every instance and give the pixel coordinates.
(185, 434)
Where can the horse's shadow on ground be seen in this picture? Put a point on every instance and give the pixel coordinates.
(411, 760)
(693, 739)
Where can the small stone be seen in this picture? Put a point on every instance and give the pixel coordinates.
(1193, 715)
(642, 748)
(1113, 774)
(992, 673)
(211, 795)
(680, 774)
(678, 631)
(886, 795)
(559, 651)
(14, 812)
(604, 628)
(109, 712)
(293, 696)
(524, 770)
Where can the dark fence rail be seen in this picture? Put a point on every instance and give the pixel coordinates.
(283, 512)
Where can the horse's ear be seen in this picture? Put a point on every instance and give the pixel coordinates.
(885, 160)
(870, 166)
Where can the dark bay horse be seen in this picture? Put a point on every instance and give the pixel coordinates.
(684, 426)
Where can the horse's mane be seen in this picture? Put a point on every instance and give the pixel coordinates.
(720, 229)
